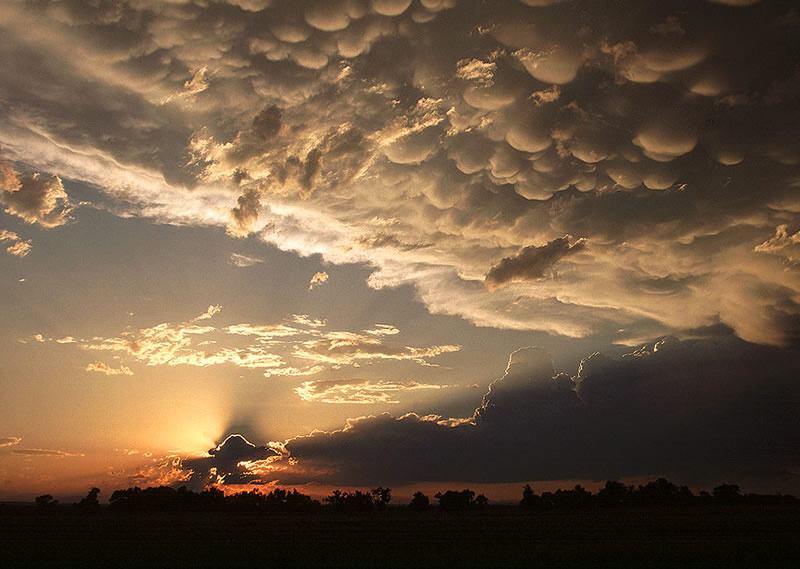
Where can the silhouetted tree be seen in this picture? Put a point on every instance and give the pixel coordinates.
(45, 502)
(662, 491)
(419, 502)
(529, 498)
(727, 493)
(381, 497)
(356, 501)
(578, 497)
(90, 503)
(452, 500)
(615, 493)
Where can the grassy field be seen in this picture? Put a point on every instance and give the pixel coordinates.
(497, 537)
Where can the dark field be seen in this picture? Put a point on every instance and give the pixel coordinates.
(496, 537)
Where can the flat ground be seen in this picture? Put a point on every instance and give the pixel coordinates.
(497, 537)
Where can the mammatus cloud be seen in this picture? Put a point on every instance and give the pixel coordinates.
(317, 280)
(532, 262)
(9, 441)
(300, 346)
(34, 197)
(19, 247)
(244, 261)
(432, 140)
(363, 392)
(105, 369)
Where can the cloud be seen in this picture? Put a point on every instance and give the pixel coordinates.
(34, 198)
(9, 441)
(299, 346)
(783, 243)
(245, 214)
(244, 261)
(317, 280)
(19, 247)
(104, 368)
(532, 262)
(212, 311)
(363, 392)
(228, 462)
(45, 452)
(478, 130)
(698, 410)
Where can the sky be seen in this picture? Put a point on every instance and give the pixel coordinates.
(417, 243)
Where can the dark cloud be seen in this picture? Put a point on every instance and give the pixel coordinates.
(665, 133)
(532, 262)
(223, 463)
(245, 214)
(695, 410)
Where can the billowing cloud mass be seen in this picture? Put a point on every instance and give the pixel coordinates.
(15, 245)
(434, 140)
(694, 410)
(34, 197)
(229, 462)
(299, 346)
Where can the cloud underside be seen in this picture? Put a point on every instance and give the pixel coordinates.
(695, 410)
(441, 142)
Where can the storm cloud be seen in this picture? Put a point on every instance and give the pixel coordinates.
(357, 130)
(694, 410)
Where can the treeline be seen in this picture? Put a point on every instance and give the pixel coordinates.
(659, 492)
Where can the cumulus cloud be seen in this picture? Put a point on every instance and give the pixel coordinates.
(479, 128)
(532, 262)
(34, 197)
(695, 410)
(229, 462)
(245, 214)
(363, 392)
(18, 247)
(105, 369)
(9, 441)
(318, 279)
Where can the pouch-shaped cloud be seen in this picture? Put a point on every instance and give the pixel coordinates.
(479, 128)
